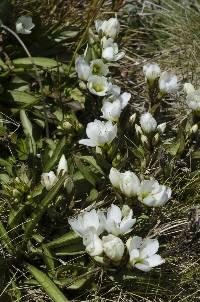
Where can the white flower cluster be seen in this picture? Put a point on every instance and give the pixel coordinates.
(100, 233)
(48, 180)
(167, 81)
(94, 73)
(149, 192)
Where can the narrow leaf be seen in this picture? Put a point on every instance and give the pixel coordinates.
(47, 284)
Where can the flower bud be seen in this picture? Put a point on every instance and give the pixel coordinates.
(188, 88)
(168, 82)
(129, 184)
(113, 247)
(114, 177)
(48, 180)
(62, 165)
(151, 71)
(161, 128)
(194, 128)
(138, 129)
(132, 118)
(148, 122)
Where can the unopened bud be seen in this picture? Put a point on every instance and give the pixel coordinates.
(194, 128)
(156, 139)
(132, 118)
(188, 88)
(144, 140)
(67, 125)
(138, 129)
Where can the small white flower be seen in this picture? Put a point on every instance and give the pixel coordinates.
(114, 177)
(148, 122)
(62, 165)
(193, 100)
(24, 25)
(111, 110)
(87, 222)
(129, 184)
(97, 67)
(82, 68)
(168, 82)
(109, 28)
(113, 247)
(153, 194)
(110, 50)
(151, 71)
(93, 243)
(98, 85)
(48, 180)
(161, 127)
(116, 221)
(143, 253)
(99, 133)
(188, 88)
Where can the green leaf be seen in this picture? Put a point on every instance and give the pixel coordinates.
(5, 239)
(65, 239)
(48, 258)
(89, 176)
(41, 209)
(47, 284)
(73, 248)
(27, 126)
(50, 163)
(15, 216)
(39, 61)
(23, 98)
(91, 160)
(196, 155)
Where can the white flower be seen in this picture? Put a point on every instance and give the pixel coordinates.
(111, 110)
(97, 67)
(129, 184)
(114, 177)
(62, 165)
(99, 133)
(151, 71)
(148, 122)
(115, 91)
(82, 68)
(109, 28)
(87, 222)
(110, 50)
(113, 247)
(193, 100)
(124, 99)
(188, 88)
(168, 82)
(161, 127)
(93, 243)
(24, 25)
(48, 180)
(98, 85)
(153, 194)
(116, 221)
(143, 253)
